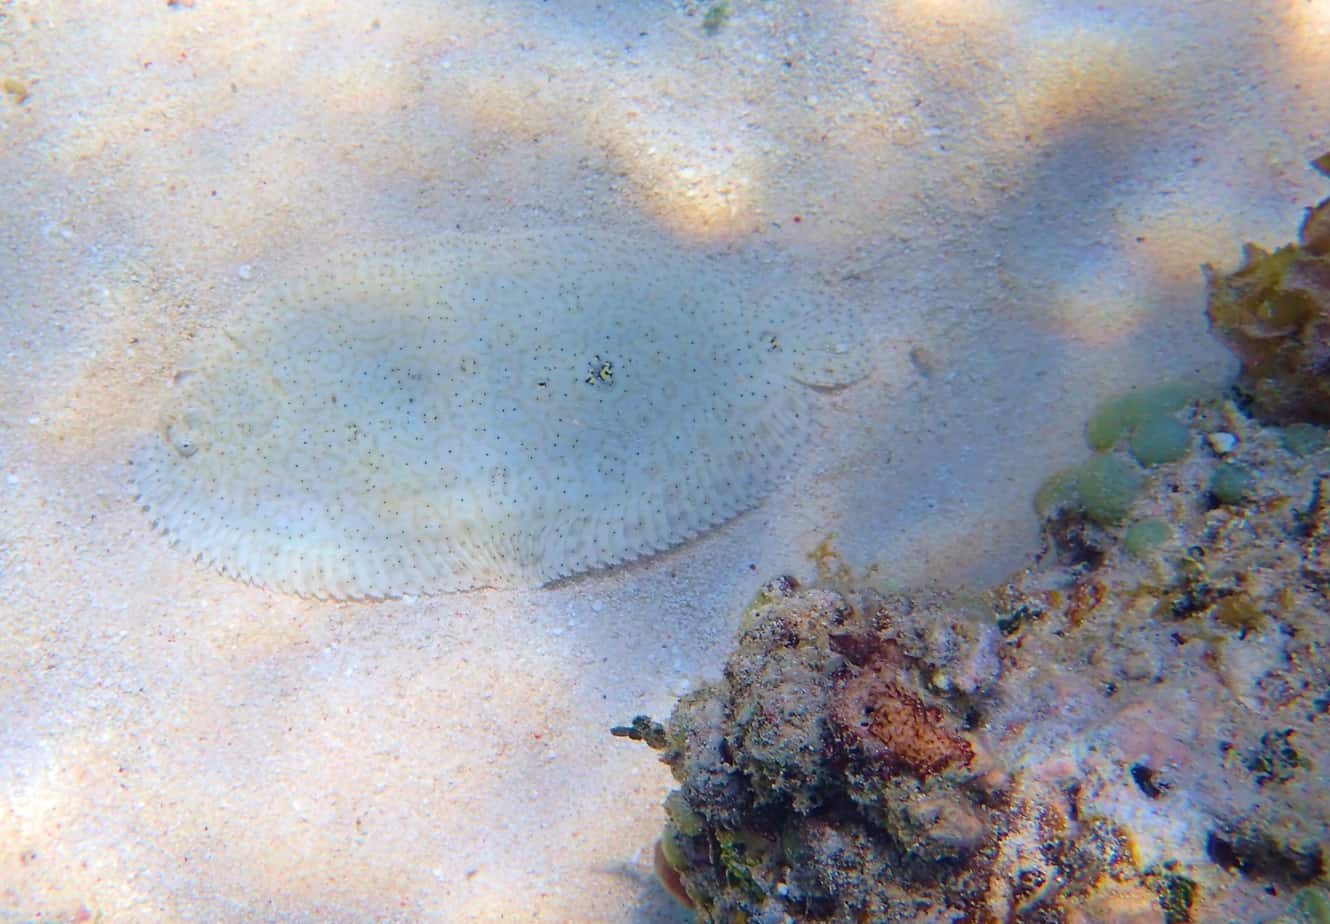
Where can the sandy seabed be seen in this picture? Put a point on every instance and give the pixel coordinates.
(1015, 196)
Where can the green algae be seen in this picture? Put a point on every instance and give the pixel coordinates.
(1119, 416)
(1231, 483)
(1058, 490)
(1144, 535)
(1107, 486)
(1159, 438)
(1303, 439)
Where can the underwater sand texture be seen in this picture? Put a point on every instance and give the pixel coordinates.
(1016, 195)
(488, 411)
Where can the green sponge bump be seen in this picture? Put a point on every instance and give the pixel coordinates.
(1303, 439)
(1231, 483)
(1159, 438)
(1107, 486)
(1118, 416)
(1144, 535)
(1058, 490)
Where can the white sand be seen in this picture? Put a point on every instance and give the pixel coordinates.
(1016, 194)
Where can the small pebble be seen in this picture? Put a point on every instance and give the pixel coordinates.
(244, 271)
(1222, 443)
(11, 479)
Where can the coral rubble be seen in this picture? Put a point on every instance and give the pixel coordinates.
(1122, 721)
(1133, 729)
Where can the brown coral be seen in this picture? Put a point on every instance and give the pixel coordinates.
(885, 721)
(1274, 314)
